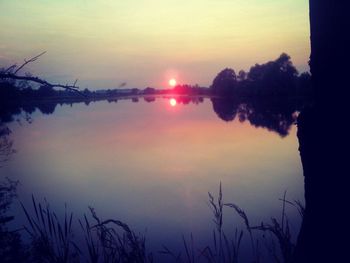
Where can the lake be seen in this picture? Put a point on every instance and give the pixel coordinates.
(150, 162)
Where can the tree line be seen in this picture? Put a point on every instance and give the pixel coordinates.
(274, 78)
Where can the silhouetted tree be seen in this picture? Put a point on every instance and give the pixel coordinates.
(135, 91)
(242, 75)
(46, 91)
(149, 90)
(274, 77)
(11, 74)
(225, 82)
(324, 145)
(87, 92)
(304, 85)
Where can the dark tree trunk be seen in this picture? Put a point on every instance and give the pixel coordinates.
(322, 134)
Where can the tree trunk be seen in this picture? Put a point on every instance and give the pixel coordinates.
(322, 134)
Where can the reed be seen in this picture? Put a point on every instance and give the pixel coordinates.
(113, 241)
(51, 239)
(226, 246)
(109, 241)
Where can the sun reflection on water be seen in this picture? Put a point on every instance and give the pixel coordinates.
(172, 102)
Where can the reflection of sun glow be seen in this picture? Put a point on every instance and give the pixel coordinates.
(172, 102)
(172, 82)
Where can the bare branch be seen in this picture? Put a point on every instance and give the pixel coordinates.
(41, 81)
(29, 61)
(7, 74)
(10, 68)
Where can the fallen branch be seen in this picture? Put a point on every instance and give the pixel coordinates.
(29, 61)
(11, 73)
(40, 81)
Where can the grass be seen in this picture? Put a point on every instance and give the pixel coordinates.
(108, 241)
(51, 239)
(113, 241)
(226, 246)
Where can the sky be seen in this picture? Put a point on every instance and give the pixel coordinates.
(147, 42)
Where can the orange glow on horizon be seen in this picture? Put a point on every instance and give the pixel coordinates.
(172, 82)
(173, 102)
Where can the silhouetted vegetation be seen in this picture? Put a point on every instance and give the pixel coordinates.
(274, 78)
(6, 144)
(52, 237)
(275, 114)
(225, 83)
(323, 148)
(11, 74)
(11, 247)
(226, 246)
(278, 78)
(269, 96)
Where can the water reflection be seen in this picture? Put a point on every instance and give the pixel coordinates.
(274, 115)
(150, 164)
(277, 115)
(172, 102)
(6, 144)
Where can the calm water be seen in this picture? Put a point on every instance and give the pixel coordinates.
(152, 164)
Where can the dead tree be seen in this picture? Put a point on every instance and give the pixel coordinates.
(12, 73)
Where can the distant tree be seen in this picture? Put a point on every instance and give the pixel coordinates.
(87, 91)
(183, 89)
(276, 77)
(8, 91)
(135, 91)
(242, 75)
(149, 90)
(46, 91)
(225, 82)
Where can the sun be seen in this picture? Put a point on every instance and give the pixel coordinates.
(172, 102)
(172, 82)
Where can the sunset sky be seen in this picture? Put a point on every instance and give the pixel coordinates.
(147, 42)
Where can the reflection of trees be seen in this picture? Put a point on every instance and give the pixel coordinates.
(149, 99)
(47, 108)
(226, 109)
(184, 100)
(277, 116)
(187, 99)
(11, 249)
(273, 115)
(7, 111)
(6, 144)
